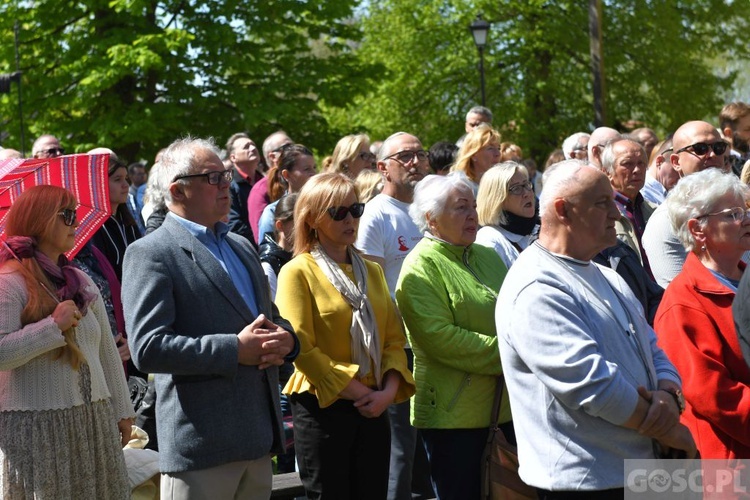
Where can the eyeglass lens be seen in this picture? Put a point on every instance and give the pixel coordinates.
(339, 213)
(69, 216)
(702, 148)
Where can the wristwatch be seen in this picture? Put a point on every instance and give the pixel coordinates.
(678, 398)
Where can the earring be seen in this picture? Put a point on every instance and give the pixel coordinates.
(703, 248)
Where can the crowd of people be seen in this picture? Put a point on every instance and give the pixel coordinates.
(356, 320)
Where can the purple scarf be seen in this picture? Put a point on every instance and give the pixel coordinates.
(66, 279)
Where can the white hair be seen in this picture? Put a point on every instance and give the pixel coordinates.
(558, 178)
(180, 159)
(571, 143)
(696, 195)
(431, 195)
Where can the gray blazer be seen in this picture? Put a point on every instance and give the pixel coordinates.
(183, 314)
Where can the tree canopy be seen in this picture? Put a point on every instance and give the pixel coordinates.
(133, 75)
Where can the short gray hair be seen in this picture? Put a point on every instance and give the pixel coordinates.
(481, 110)
(180, 159)
(558, 178)
(572, 142)
(696, 195)
(608, 157)
(431, 195)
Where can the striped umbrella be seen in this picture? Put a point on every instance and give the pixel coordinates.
(83, 175)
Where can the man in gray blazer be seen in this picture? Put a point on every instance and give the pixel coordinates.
(198, 309)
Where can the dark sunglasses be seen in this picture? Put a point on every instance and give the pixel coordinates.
(701, 148)
(53, 151)
(69, 216)
(339, 213)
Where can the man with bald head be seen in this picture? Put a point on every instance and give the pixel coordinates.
(588, 385)
(244, 156)
(386, 235)
(599, 138)
(696, 146)
(47, 146)
(646, 138)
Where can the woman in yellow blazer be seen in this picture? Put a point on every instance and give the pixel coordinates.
(351, 364)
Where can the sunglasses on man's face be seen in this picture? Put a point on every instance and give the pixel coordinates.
(701, 148)
(69, 216)
(339, 213)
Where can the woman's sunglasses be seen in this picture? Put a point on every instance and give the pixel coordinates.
(69, 216)
(339, 213)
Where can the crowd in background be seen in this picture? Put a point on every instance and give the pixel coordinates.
(355, 319)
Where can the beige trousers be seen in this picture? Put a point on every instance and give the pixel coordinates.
(248, 479)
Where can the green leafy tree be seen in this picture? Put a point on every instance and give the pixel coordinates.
(135, 74)
(659, 58)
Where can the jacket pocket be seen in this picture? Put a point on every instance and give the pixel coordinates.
(464, 383)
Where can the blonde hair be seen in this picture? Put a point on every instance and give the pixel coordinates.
(493, 191)
(33, 214)
(482, 135)
(346, 151)
(318, 195)
(370, 184)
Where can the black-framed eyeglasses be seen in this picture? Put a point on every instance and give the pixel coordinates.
(366, 156)
(737, 214)
(519, 189)
(404, 157)
(339, 213)
(701, 148)
(213, 178)
(69, 216)
(53, 151)
(282, 147)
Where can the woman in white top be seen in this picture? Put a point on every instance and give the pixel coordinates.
(65, 410)
(507, 210)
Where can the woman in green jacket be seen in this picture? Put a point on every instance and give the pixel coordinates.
(446, 293)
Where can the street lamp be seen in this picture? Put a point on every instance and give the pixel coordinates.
(479, 30)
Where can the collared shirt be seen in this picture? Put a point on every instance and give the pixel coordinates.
(633, 211)
(216, 243)
(653, 190)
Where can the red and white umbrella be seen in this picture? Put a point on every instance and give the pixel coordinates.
(83, 175)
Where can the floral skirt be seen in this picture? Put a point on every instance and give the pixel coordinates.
(70, 453)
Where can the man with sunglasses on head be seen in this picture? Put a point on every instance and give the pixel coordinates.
(47, 146)
(696, 146)
(386, 235)
(199, 310)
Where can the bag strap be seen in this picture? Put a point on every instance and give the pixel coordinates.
(497, 401)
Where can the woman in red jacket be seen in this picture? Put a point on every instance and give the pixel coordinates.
(709, 213)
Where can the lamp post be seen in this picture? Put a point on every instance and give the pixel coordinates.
(479, 29)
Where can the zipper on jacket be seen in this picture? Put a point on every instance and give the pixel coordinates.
(466, 381)
(465, 259)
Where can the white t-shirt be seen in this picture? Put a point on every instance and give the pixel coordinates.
(386, 231)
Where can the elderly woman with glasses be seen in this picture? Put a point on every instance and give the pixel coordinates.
(352, 364)
(446, 293)
(479, 151)
(65, 410)
(506, 206)
(708, 212)
(352, 155)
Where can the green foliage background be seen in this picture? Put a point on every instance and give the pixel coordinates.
(135, 74)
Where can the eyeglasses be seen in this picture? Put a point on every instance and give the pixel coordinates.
(282, 147)
(339, 213)
(52, 151)
(737, 214)
(69, 216)
(366, 156)
(213, 178)
(519, 189)
(701, 148)
(404, 157)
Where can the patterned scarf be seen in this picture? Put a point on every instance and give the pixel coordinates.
(365, 338)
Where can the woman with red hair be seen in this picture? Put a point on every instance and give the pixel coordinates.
(63, 396)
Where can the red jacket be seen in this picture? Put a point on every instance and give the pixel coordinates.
(695, 328)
